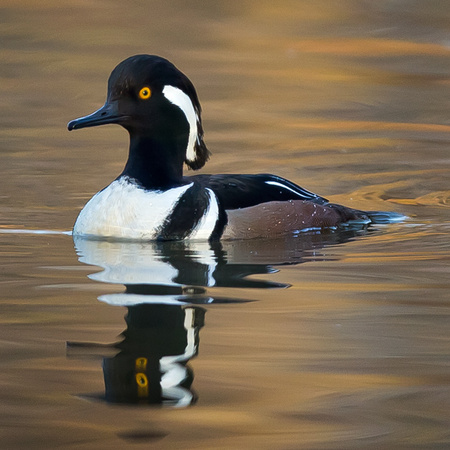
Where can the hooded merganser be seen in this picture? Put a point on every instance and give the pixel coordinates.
(151, 199)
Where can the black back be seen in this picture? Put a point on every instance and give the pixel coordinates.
(242, 191)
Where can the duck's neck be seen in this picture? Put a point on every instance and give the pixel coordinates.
(154, 164)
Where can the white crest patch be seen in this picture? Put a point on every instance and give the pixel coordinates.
(179, 98)
(123, 210)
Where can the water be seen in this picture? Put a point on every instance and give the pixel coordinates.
(314, 341)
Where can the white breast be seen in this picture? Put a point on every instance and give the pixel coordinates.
(124, 210)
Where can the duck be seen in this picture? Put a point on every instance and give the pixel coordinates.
(153, 200)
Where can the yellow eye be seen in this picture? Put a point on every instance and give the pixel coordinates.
(145, 93)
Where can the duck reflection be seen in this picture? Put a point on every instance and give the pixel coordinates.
(184, 269)
(151, 365)
(178, 268)
(165, 284)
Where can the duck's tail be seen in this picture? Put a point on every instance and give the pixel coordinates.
(383, 217)
(350, 216)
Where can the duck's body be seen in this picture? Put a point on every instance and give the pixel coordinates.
(151, 199)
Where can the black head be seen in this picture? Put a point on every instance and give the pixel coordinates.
(150, 97)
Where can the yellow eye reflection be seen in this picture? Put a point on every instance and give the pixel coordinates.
(145, 93)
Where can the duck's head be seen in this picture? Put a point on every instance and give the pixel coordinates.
(152, 99)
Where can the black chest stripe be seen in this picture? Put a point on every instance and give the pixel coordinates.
(186, 214)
